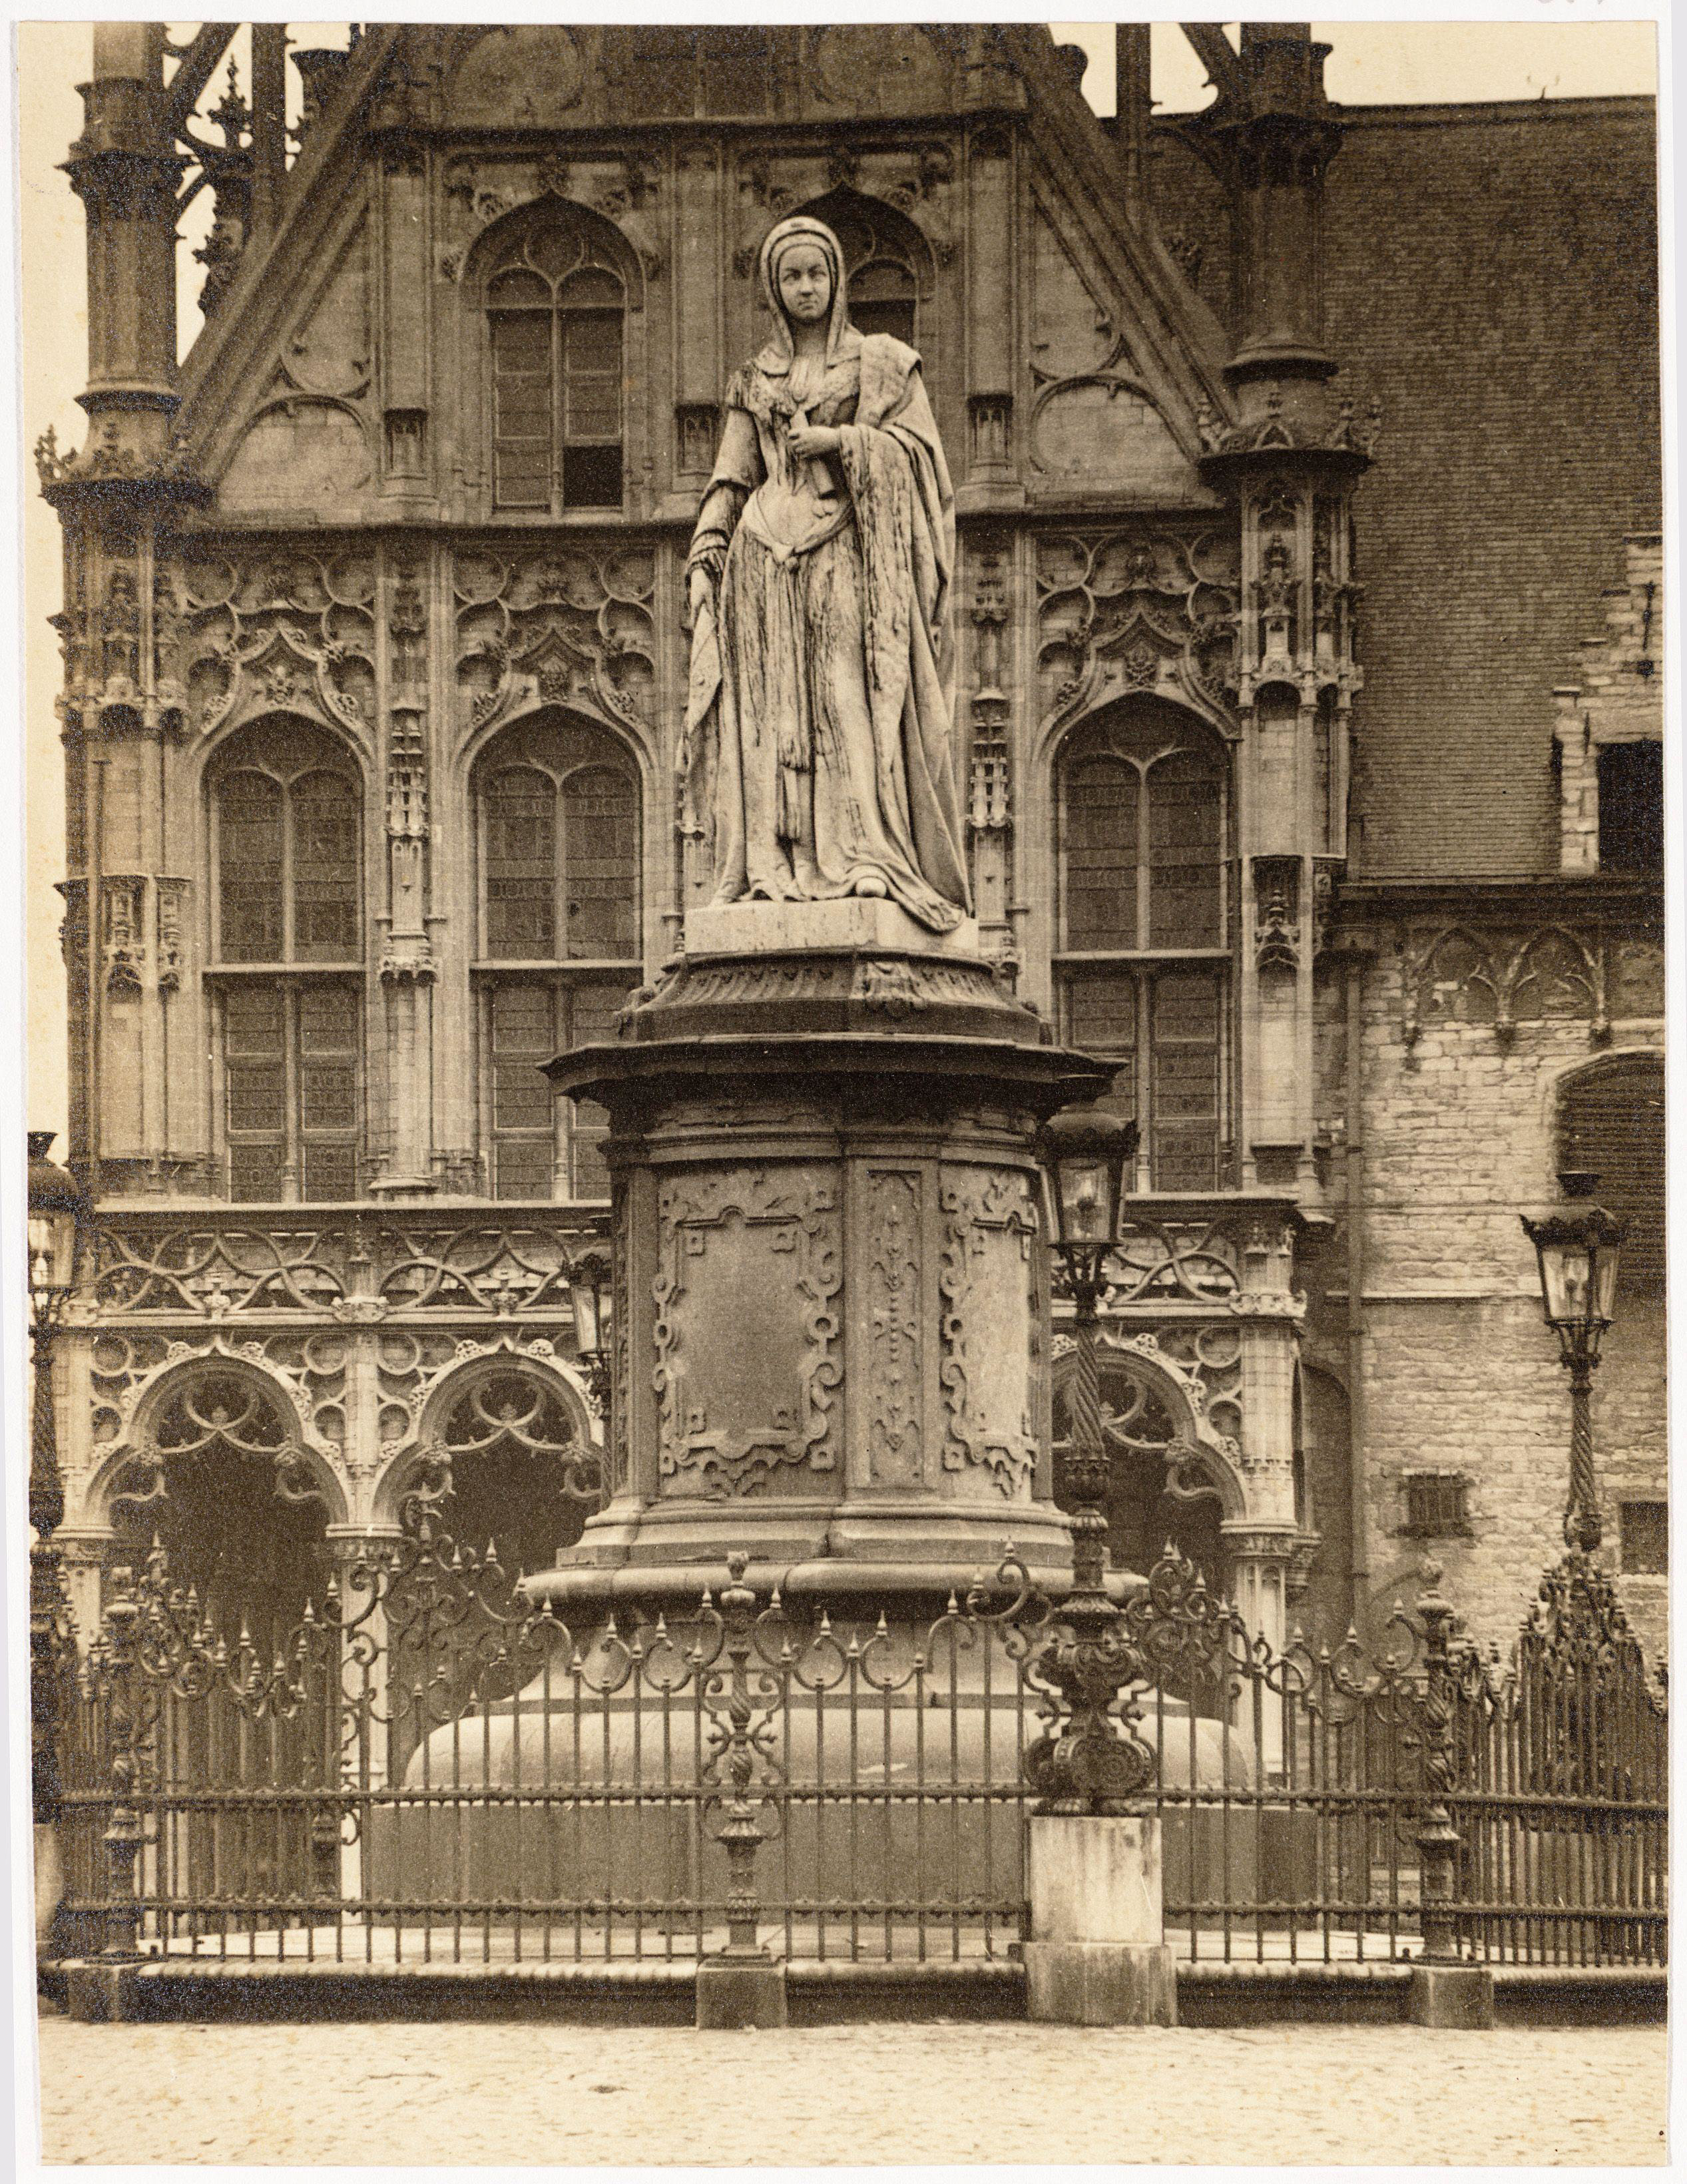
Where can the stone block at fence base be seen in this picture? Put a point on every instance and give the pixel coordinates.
(1097, 1953)
(738, 1995)
(1454, 1998)
(97, 1994)
(1100, 1983)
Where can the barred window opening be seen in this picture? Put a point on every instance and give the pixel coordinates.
(1611, 1122)
(1644, 1538)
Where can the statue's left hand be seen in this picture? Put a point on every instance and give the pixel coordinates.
(810, 440)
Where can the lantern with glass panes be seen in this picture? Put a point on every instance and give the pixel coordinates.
(588, 1293)
(1577, 1249)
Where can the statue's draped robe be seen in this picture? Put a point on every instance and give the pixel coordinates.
(820, 723)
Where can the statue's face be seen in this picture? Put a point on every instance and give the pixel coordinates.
(804, 282)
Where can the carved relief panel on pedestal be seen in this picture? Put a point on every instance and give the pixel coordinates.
(992, 1361)
(747, 1331)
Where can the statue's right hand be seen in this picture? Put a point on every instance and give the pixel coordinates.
(700, 590)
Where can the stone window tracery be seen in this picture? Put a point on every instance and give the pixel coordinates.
(285, 979)
(560, 892)
(1141, 827)
(556, 319)
(1145, 1509)
(519, 1474)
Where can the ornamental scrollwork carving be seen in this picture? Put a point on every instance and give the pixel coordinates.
(572, 626)
(761, 1249)
(1122, 612)
(1196, 1259)
(293, 630)
(354, 1272)
(894, 1320)
(502, 1270)
(987, 1284)
(214, 1273)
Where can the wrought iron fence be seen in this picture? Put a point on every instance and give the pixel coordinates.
(431, 1769)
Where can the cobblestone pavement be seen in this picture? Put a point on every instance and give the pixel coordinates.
(874, 2093)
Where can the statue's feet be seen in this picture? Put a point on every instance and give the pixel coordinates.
(872, 884)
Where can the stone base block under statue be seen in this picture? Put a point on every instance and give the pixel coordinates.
(831, 1329)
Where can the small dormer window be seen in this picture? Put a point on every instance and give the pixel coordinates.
(1631, 807)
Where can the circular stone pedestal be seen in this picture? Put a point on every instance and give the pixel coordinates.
(831, 1308)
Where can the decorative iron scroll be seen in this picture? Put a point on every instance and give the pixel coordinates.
(429, 1765)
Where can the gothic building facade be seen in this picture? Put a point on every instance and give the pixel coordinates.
(1308, 656)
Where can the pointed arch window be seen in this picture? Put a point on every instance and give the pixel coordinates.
(556, 319)
(1143, 963)
(285, 978)
(561, 896)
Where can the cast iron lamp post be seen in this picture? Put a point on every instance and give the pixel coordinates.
(61, 1235)
(1084, 1765)
(1576, 1246)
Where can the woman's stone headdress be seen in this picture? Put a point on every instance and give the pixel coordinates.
(802, 228)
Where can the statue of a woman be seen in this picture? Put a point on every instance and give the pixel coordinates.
(819, 723)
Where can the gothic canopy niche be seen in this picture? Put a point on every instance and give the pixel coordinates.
(1122, 614)
(889, 263)
(203, 1425)
(509, 1442)
(290, 628)
(571, 625)
(1169, 1462)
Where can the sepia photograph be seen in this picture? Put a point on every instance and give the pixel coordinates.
(840, 993)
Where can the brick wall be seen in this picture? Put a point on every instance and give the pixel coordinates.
(1460, 1372)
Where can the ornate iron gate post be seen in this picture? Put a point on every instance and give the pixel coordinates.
(740, 1984)
(124, 1830)
(117, 1685)
(1445, 1989)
